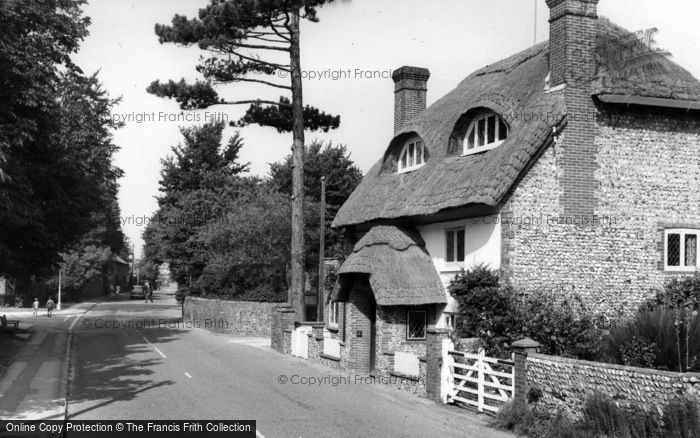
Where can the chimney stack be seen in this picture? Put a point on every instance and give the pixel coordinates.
(573, 30)
(410, 90)
(573, 26)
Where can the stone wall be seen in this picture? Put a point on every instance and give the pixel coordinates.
(648, 168)
(239, 318)
(565, 383)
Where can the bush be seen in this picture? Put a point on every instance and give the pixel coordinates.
(681, 419)
(601, 417)
(663, 338)
(496, 315)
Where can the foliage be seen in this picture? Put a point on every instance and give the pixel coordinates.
(681, 418)
(601, 417)
(679, 292)
(662, 338)
(228, 31)
(193, 187)
(342, 176)
(58, 180)
(498, 316)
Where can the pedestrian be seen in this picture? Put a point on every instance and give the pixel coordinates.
(149, 291)
(118, 289)
(35, 306)
(49, 306)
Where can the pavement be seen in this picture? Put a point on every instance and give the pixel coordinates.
(134, 360)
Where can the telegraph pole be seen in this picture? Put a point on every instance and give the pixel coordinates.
(321, 253)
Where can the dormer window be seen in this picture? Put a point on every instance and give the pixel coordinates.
(485, 132)
(412, 155)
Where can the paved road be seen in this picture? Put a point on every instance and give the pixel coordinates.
(135, 360)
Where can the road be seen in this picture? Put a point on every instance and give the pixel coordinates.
(136, 360)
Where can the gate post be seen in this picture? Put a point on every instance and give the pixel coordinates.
(435, 381)
(521, 349)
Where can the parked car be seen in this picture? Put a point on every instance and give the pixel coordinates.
(137, 292)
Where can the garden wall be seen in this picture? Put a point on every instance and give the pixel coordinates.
(566, 383)
(239, 318)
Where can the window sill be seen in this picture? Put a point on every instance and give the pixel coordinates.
(482, 149)
(329, 357)
(678, 270)
(404, 376)
(409, 169)
(333, 328)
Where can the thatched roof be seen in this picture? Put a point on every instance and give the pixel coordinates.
(400, 270)
(513, 88)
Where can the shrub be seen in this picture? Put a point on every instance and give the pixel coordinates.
(662, 338)
(681, 418)
(496, 315)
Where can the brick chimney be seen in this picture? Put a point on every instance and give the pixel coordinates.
(573, 28)
(410, 90)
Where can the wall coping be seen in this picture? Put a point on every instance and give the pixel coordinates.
(262, 303)
(314, 324)
(404, 376)
(611, 366)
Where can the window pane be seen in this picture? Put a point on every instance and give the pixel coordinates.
(470, 139)
(502, 130)
(481, 126)
(491, 130)
(416, 325)
(691, 248)
(673, 256)
(450, 245)
(411, 155)
(419, 152)
(460, 245)
(402, 163)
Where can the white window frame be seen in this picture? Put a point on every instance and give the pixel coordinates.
(454, 246)
(472, 130)
(416, 142)
(450, 321)
(408, 325)
(333, 313)
(682, 232)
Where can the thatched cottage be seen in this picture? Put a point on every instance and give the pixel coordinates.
(573, 166)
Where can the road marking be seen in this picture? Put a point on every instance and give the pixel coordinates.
(68, 317)
(188, 375)
(75, 321)
(154, 347)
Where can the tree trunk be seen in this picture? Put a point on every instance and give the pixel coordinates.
(298, 260)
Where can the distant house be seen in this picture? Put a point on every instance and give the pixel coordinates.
(572, 166)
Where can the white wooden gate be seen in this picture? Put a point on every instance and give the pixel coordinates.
(480, 381)
(300, 341)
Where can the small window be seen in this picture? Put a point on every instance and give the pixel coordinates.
(333, 313)
(681, 250)
(454, 245)
(450, 321)
(412, 155)
(485, 132)
(417, 324)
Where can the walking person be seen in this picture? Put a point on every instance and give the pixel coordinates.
(149, 291)
(35, 306)
(49, 306)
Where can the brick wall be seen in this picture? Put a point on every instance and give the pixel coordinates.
(565, 383)
(410, 90)
(240, 318)
(647, 176)
(572, 34)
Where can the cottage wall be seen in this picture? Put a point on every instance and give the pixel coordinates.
(648, 173)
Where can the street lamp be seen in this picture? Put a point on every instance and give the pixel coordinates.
(58, 305)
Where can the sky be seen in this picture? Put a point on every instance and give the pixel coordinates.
(347, 60)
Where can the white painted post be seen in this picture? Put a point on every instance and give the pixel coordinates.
(446, 377)
(480, 378)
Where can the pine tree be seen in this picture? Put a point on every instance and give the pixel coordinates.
(237, 33)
